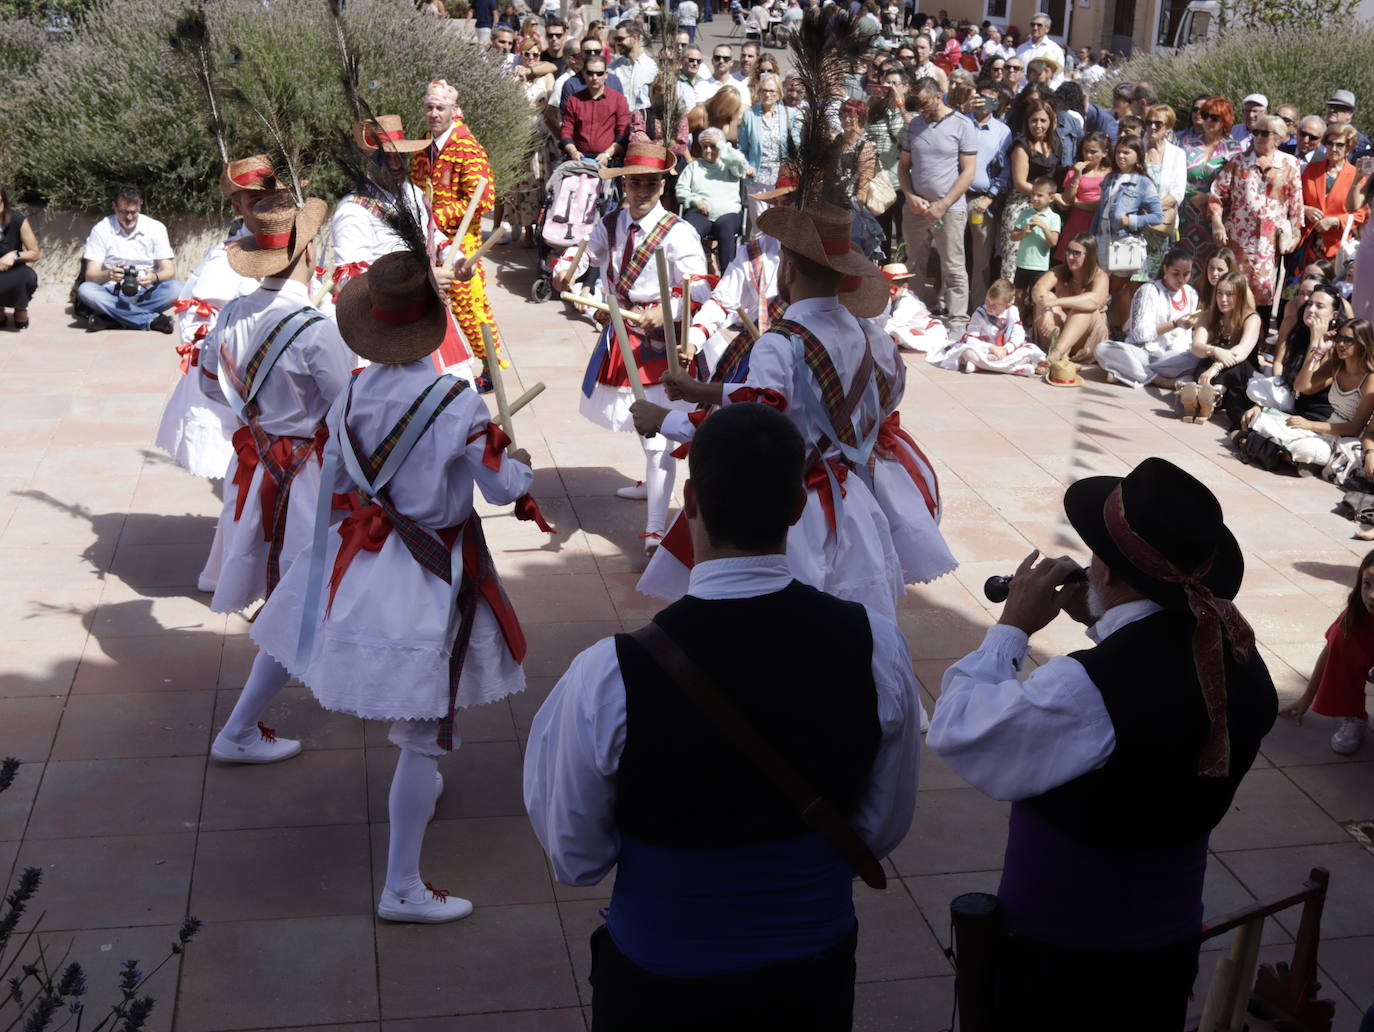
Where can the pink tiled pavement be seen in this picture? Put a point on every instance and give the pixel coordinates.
(114, 674)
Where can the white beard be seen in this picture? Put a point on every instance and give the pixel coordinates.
(1096, 607)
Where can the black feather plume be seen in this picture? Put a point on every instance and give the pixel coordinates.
(823, 50)
(190, 41)
(370, 171)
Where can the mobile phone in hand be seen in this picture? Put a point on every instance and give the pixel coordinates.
(1367, 165)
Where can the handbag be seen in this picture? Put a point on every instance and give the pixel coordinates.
(1124, 254)
(817, 811)
(881, 193)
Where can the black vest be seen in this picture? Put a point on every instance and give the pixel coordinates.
(797, 664)
(1149, 792)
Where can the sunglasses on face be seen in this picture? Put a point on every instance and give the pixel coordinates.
(1211, 118)
(1344, 338)
(1015, 68)
(595, 75)
(1334, 143)
(691, 60)
(1076, 254)
(555, 35)
(1197, 111)
(720, 57)
(1308, 136)
(1263, 132)
(1155, 124)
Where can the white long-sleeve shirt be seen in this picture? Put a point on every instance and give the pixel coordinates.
(1153, 305)
(578, 736)
(360, 236)
(1017, 739)
(739, 287)
(299, 389)
(682, 246)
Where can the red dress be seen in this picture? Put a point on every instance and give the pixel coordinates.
(1340, 692)
(1080, 220)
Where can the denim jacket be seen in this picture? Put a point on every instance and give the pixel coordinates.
(1132, 195)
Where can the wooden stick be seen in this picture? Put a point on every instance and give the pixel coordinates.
(520, 402)
(477, 255)
(324, 289)
(665, 297)
(747, 322)
(499, 385)
(686, 308)
(456, 248)
(627, 353)
(577, 257)
(590, 302)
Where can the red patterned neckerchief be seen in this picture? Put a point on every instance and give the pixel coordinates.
(737, 351)
(828, 378)
(1215, 617)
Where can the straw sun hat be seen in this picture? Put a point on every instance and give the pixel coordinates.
(822, 234)
(391, 314)
(280, 234)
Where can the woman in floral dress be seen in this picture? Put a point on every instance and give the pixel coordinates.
(1251, 199)
(1205, 158)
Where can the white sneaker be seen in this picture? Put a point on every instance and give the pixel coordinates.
(652, 540)
(266, 748)
(968, 366)
(1349, 735)
(435, 907)
(638, 493)
(438, 791)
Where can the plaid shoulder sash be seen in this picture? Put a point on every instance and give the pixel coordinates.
(837, 405)
(240, 389)
(639, 258)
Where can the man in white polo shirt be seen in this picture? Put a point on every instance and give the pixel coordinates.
(1040, 45)
(128, 240)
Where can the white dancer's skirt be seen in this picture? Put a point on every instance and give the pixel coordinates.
(978, 353)
(196, 431)
(383, 651)
(609, 407)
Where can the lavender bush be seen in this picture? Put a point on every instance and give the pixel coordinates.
(132, 110)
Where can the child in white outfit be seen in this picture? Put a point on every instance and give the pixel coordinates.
(995, 339)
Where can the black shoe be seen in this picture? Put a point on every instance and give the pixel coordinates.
(96, 323)
(161, 323)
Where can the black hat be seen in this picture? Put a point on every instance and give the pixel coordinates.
(1161, 529)
(1175, 513)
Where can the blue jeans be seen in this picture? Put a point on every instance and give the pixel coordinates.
(134, 313)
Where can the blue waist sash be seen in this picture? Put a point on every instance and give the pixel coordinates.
(692, 913)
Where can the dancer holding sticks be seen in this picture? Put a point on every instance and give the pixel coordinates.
(622, 246)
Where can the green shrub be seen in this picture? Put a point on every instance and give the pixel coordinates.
(131, 110)
(1288, 65)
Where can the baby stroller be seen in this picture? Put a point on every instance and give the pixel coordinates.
(572, 202)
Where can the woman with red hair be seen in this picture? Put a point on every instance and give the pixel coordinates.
(1205, 156)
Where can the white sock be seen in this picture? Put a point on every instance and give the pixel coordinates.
(265, 680)
(409, 805)
(660, 469)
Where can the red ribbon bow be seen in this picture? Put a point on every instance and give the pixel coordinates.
(347, 270)
(819, 481)
(888, 446)
(204, 309)
(246, 448)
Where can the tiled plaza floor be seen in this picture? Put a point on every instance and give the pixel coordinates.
(114, 675)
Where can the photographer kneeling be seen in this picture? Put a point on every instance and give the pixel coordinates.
(128, 274)
(1119, 759)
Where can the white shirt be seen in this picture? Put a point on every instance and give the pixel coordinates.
(215, 283)
(682, 246)
(772, 366)
(360, 236)
(1047, 49)
(711, 86)
(1153, 305)
(109, 246)
(637, 78)
(973, 41)
(738, 288)
(1007, 326)
(1015, 739)
(687, 13)
(295, 397)
(573, 754)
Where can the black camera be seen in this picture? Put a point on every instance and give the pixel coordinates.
(128, 285)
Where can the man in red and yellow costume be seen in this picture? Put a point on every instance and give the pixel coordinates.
(448, 173)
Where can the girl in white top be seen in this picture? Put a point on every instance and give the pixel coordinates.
(1159, 336)
(907, 318)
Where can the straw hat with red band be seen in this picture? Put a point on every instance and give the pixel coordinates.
(254, 174)
(896, 271)
(822, 234)
(391, 314)
(280, 234)
(385, 131)
(644, 159)
(1063, 374)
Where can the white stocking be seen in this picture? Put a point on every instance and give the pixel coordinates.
(265, 680)
(660, 469)
(410, 804)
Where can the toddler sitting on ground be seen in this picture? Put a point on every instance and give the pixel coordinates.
(906, 317)
(995, 339)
